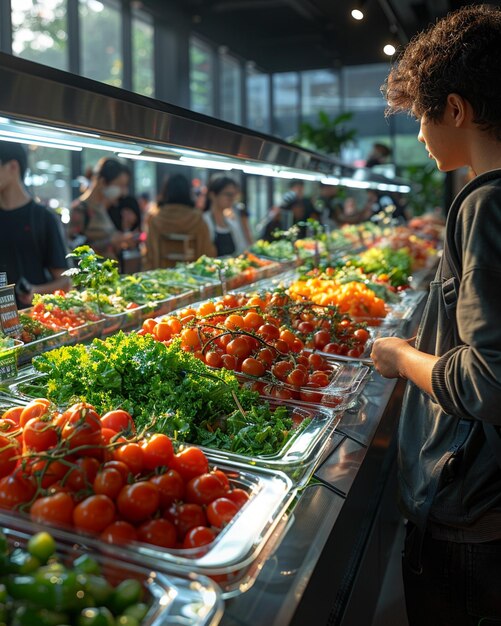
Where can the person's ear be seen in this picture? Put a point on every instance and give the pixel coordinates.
(458, 110)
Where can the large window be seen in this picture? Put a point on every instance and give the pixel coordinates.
(143, 72)
(258, 101)
(230, 92)
(49, 178)
(40, 32)
(101, 33)
(201, 77)
(320, 92)
(286, 104)
(362, 84)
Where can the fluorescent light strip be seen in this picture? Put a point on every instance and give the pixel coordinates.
(206, 163)
(152, 159)
(56, 142)
(36, 142)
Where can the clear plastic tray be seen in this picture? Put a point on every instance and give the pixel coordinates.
(175, 598)
(28, 350)
(299, 456)
(236, 547)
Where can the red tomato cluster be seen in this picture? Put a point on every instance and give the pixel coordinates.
(95, 474)
(269, 337)
(57, 318)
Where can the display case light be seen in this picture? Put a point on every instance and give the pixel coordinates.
(37, 142)
(206, 163)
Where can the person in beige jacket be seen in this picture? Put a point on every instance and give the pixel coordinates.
(176, 230)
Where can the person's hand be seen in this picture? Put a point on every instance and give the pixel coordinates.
(387, 355)
(121, 241)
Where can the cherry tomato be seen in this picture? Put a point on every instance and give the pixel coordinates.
(190, 338)
(162, 332)
(159, 532)
(282, 369)
(305, 328)
(36, 408)
(331, 348)
(82, 476)
(121, 467)
(132, 455)
(321, 338)
(252, 367)
(238, 348)
(94, 514)
(14, 414)
(55, 509)
(204, 489)
(221, 511)
(118, 421)
(39, 435)
(15, 490)
(229, 362)
(355, 352)
(198, 536)
(253, 320)
(9, 449)
(234, 321)
(319, 379)
(268, 332)
(238, 497)
(119, 533)
(361, 334)
(222, 477)
(309, 395)
(174, 325)
(266, 356)
(83, 429)
(170, 487)
(158, 451)
(296, 378)
(137, 502)
(186, 516)
(108, 482)
(213, 358)
(315, 361)
(282, 346)
(190, 462)
(47, 472)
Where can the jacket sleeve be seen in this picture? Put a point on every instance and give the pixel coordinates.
(467, 380)
(204, 243)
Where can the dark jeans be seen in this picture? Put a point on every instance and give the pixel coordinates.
(460, 584)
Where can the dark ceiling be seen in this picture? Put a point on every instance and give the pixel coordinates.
(282, 35)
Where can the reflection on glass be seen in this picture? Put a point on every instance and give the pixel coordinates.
(145, 177)
(258, 101)
(231, 101)
(101, 27)
(201, 77)
(285, 104)
(320, 92)
(143, 73)
(39, 31)
(257, 202)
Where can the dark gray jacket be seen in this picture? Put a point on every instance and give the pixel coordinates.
(466, 381)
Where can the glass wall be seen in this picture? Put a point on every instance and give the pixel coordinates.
(49, 178)
(230, 97)
(143, 67)
(362, 86)
(201, 77)
(320, 91)
(40, 31)
(101, 40)
(258, 101)
(286, 104)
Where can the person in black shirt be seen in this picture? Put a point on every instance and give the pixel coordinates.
(296, 204)
(31, 240)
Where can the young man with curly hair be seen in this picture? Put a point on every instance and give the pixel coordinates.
(449, 456)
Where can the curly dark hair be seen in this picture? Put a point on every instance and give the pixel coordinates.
(458, 54)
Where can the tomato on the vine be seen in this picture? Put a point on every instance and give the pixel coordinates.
(39, 435)
(118, 420)
(252, 367)
(238, 497)
(54, 509)
(118, 533)
(83, 429)
(82, 475)
(9, 449)
(94, 514)
(170, 487)
(132, 455)
(186, 516)
(238, 348)
(138, 502)
(108, 482)
(15, 490)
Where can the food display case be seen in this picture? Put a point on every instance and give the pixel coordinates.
(322, 507)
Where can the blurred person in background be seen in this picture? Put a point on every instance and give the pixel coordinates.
(173, 221)
(223, 220)
(32, 248)
(379, 155)
(295, 207)
(327, 203)
(90, 222)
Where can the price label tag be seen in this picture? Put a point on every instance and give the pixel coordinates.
(9, 316)
(8, 364)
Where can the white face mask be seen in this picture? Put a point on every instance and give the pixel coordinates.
(112, 192)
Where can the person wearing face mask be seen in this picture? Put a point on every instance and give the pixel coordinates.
(90, 221)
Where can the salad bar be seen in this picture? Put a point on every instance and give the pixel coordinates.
(213, 432)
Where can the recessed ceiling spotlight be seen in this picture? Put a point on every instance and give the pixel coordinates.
(389, 49)
(357, 14)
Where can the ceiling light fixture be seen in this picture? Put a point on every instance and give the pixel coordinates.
(389, 49)
(357, 14)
